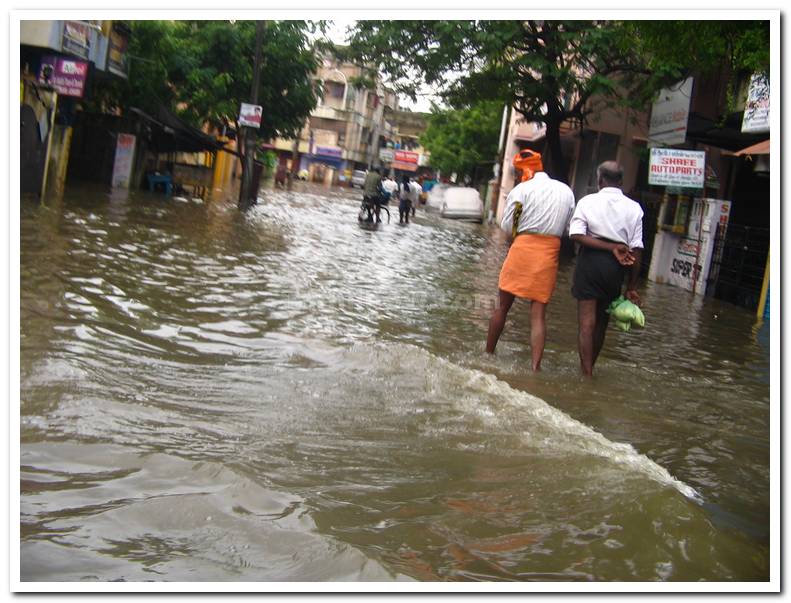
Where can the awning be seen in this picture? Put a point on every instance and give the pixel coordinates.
(724, 135)
(170, 134)
(762, 148)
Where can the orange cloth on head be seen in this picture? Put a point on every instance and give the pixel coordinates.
(531, 269)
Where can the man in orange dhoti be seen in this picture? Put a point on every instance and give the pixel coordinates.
(537, 214)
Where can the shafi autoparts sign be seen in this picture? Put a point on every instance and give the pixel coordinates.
(677, 167)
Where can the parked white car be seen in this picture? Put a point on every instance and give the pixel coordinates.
(436, 196)
(358, 178)
(462, 203)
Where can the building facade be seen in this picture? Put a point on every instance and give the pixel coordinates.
(62, 62)
(347, 128)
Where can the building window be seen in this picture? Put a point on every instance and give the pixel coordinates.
(334, 90)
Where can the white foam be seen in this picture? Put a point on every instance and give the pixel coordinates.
(494, 395)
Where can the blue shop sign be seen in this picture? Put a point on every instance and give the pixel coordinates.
(333, 152)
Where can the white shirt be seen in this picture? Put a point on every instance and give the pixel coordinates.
(547, 206)
(414, 192)
(390, 185)
(609, 214)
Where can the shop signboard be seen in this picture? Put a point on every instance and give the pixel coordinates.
(756, 108)
(116, 53)
(335, 152)
(386, 155)
(405, 161)
(677, 167)
(250, 115)
(66, 76)
(684, 259)
(124, 156)
(76, 39)
(670, 114)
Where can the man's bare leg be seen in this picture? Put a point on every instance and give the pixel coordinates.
(586, 313)
(497, 321)
(602, 320)
(538, 332)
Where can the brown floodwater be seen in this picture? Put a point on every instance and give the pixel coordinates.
(284, 395)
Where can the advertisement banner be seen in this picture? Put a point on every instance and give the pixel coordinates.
(250, 115)
(124, 156)
(66, 76)
(669, 115)
(76, 39)
(756, 108)
(689, 261)
(677, 167)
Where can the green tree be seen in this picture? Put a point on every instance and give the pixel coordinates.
(459, 140)
(551, 72)
(203, 71)
(217, 73)
(151, 55)
(678, 49)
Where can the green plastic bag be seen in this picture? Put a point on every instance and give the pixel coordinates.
(623, 326)
(626, 314)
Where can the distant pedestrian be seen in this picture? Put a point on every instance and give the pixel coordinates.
(404, 200)
(390, 186)
(608, 225)
(537, 214)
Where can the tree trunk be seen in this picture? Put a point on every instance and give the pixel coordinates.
(247, 196)
(558, 169)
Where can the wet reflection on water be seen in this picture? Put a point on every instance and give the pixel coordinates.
(284, 395)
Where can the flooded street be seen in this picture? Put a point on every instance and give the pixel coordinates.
(288, 396)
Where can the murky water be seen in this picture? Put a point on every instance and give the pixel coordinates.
(285, 395)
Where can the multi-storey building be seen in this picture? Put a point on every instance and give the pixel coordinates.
(403, 150)
(347, 128)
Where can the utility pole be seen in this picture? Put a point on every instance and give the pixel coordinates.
(247, 196)
(498, 164)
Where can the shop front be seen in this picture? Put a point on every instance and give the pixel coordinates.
(325, 165)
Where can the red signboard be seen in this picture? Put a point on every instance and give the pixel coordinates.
(406, 157)
(66, 76)
(405, 161)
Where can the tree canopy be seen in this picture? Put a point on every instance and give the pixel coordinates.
(551, 72)
(459, 140)
(203, 70)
